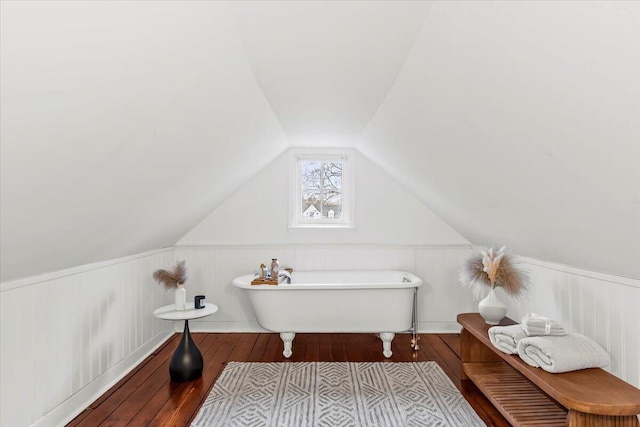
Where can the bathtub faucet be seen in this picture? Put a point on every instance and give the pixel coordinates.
(286, 275)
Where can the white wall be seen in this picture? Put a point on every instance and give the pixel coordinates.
(600, 306)
(385, 213)
(66, 337)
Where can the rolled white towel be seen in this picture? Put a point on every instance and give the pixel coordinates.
(505, 338)
(535, 325)
(562, 353)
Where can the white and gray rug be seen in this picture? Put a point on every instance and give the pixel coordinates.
(335, 394)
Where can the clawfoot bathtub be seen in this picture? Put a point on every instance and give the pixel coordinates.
(335, 301)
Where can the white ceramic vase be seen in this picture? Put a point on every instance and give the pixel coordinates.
(491, 308)
(181, 297)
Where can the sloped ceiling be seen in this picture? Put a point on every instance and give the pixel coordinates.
(325, 67)
(519, 124)
(123, 124)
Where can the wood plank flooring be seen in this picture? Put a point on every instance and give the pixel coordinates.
(146, 396)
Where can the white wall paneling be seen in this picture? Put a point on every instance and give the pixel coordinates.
(442, 296)
(212, 268)
(600, 306)
(67, 337)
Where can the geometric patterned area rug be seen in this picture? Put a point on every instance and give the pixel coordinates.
(345, 394)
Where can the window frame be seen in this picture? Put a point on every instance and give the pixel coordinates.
(299, 155)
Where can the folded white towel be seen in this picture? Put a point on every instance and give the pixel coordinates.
(535, 325)
(505, 338)
(563, 353)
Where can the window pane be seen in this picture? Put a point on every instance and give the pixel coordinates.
(321, 189)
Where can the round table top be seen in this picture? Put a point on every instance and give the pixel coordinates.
(169, 312)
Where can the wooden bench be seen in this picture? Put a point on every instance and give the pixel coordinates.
(529, 396)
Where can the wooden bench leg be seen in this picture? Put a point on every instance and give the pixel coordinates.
(472, 350)
(580, 419)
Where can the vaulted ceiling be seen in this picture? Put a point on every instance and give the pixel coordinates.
(123, 124)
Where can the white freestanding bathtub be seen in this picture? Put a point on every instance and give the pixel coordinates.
(335, 301)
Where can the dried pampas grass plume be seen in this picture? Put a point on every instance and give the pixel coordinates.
(494, 268)
(171, 279)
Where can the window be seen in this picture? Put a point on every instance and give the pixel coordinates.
(321, 190)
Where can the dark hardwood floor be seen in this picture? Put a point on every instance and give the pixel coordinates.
(146, 396)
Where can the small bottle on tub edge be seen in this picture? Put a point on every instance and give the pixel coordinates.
(275, 268)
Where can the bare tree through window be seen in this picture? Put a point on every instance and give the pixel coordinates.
(321, 189)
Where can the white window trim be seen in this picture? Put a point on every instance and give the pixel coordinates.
(347, 156)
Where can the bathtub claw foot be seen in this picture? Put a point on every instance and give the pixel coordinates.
(414, 344)
(287, 339)
(386, 338)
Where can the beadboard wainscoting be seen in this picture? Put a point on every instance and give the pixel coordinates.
(600, 306)
(66, 337)
(212, 269)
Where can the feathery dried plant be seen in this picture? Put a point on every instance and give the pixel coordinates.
(494, 268)
(171, 279)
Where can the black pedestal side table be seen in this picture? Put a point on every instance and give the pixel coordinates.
(186, 362)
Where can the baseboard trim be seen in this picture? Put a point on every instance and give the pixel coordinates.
(78, 402)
